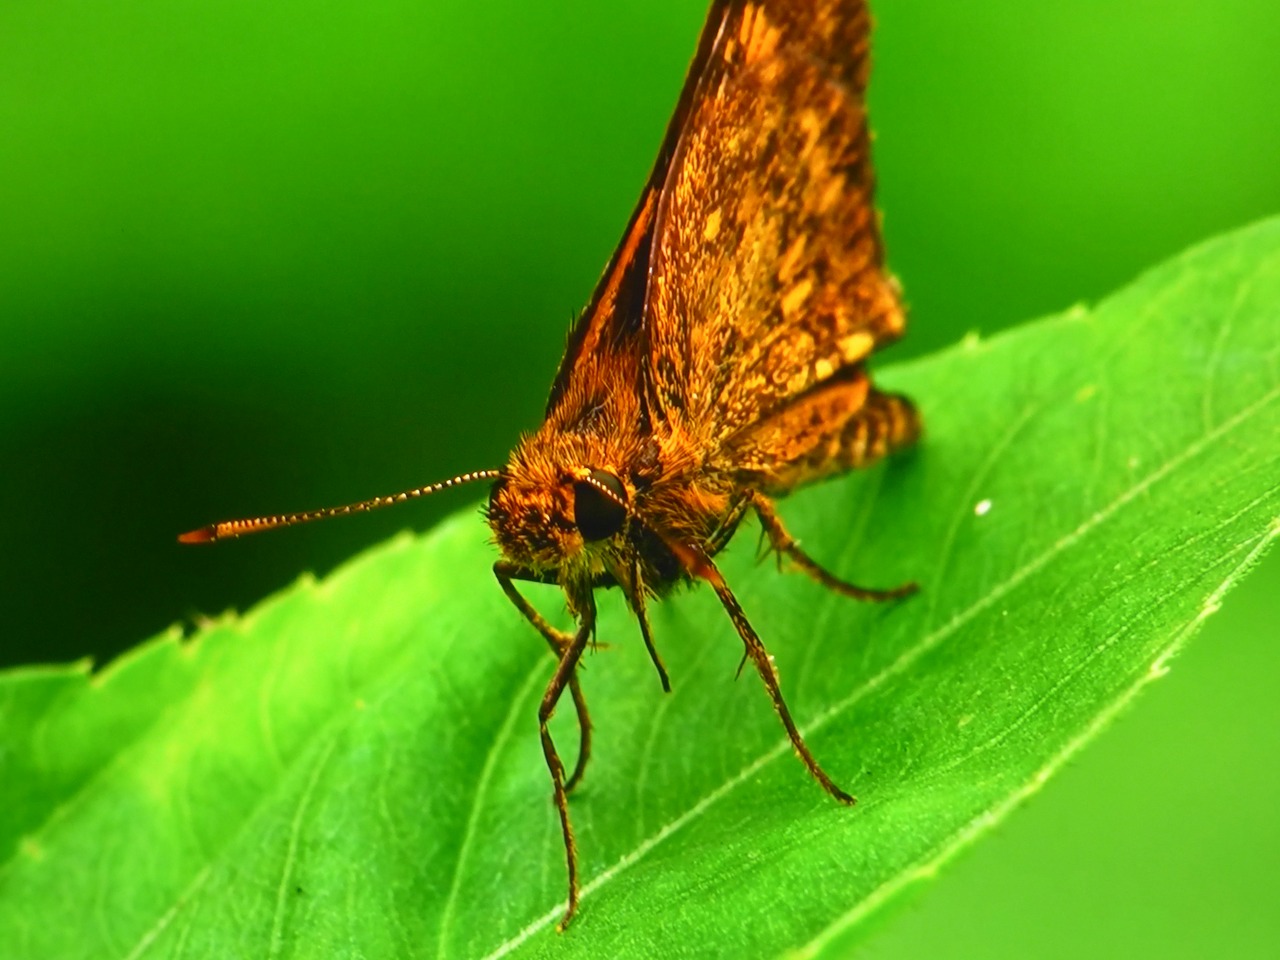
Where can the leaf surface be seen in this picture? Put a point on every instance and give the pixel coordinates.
(352, 768)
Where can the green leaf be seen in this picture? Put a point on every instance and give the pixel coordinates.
(353, 768)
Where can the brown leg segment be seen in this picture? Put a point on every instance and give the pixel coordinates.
(784, 543)
(698, 564)
(635, 596)
(724, 533)
(565, 676)
(764, 666)
(560, 642)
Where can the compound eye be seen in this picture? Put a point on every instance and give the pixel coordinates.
(599, 515)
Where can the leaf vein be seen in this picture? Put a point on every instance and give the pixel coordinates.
(291, 850)
(515, 709)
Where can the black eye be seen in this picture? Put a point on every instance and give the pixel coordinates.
(598, 515)
(495, 491)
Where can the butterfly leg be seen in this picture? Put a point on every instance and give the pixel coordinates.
(635, 599)
(560, 642)
(784, 543)
(698, 564)
(763, 663)
(565, 676)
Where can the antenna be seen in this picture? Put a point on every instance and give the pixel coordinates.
(230, 529)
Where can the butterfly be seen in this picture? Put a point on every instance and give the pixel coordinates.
(720, 363)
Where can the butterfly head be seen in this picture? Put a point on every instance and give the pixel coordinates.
(549, 518)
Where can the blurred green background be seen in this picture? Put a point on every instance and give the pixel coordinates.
(256, 258)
